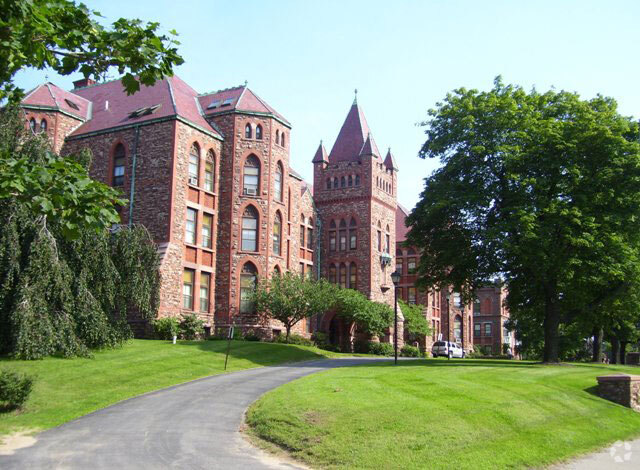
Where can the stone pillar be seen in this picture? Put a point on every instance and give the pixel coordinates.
(623, 389)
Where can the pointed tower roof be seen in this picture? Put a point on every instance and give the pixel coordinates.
(369, 147)
(321, 155)
(352, 136)
(390, 162)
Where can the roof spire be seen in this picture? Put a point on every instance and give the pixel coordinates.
(355, 98)
(246, 83)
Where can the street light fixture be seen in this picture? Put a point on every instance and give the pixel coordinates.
(395, 278)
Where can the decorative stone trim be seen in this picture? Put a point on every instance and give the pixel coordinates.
(623, 389)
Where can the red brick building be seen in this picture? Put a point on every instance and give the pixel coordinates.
(209, 175)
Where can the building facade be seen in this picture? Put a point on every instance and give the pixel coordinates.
(209, 175)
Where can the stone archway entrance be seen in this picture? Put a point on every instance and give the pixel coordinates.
(339, 333)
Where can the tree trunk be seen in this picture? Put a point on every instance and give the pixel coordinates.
(615, 349)
(288, 327)
(597, 344)
(623, 350)
(551, 325)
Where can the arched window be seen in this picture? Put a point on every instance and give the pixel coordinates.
(277, 234)
(457, 328)
(210, 171)
(328, 183)
(282, 139)
(353, 234)
(259, 132)
(247, 131)
(251, 177)
(343, 275)
(277, 187)
(343, 235)
(476, 306)
(248, 282)
(276, 270)
(350, 181)
(43, 125)
(32, 125)
(357, 180)
(194, 164)
(353, 276)
(335, 183)
(387, 241)
(332, 274)
(399, 252)
(411, 251)
(119, 157)
(343, 182)
(278, 136)
(250, 229)
(332, 236)
(310, 234)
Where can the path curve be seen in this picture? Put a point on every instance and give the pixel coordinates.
(193, 425)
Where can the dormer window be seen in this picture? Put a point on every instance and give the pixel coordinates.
(71, 104)
(214, 104)
(227, 102)
(144, 111)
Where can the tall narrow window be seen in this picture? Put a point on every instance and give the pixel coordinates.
(457, 328)
(190, 227)
(411, 295)
(476, 306)
(259, 132)
(32, 125)
(343, 275)
(379, 240)
(357, 180)
(350, 181)
(399, 265)
(277, 187)
(250, 229)
(119, 157)
(251, 178)
(411, 266)
(207, 230)
(343, 182)
(487, 329)
(43, 126)
(282, 139)
(194, 164)
(332, 274)
(457, 300)
(277, 234)
(278, 136)
(387, 243)
(302, 236)
(332, 236)
(247, 131)
(328, 183)
(187, 289)
(477, 329)
(209, 172)
(205, 282)
(310, 234)
(248, 282)
(353, 234)
(353, 276)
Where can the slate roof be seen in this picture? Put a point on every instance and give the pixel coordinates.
(351, 138)
(321, 155)
(172, 94)
(50, 96)
(390, 161)
(239, 98)
(369, 147)
(401, 229)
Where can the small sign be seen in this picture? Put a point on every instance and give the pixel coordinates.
(439, 336)
(231, 333)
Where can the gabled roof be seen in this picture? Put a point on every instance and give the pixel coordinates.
(321, 155)
(351, 138)
(369, 147)
(240, 99)
(390, 162)
(401, 228)
(112, 107)
(52, 97)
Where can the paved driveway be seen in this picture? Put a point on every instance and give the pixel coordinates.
(189, 426)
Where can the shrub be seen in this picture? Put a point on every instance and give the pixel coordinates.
(14, 389)
(166, 328)
(251, 335)
(381, 349)
(409, 351)
(191, 327)
(293, 339)
(361, 346)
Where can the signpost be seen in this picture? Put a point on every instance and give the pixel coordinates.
(228, 346)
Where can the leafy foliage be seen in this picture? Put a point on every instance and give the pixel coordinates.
(381, 349)
(290, 298)
(541, 189)
(191, 327)
(166, 327)
(14, 389)
(415, 323)
(370, 316)
(66, 37)
(409, 351)
(293, 339)
(62, 295)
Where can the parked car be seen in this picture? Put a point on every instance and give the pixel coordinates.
(447, 349)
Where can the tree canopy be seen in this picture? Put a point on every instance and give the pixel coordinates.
(66, 37)
(540, 189)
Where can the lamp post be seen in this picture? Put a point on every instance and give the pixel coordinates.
(395, 278)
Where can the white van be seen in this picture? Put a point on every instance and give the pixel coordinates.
(447, 349)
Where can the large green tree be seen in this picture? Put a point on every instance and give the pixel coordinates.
(539, 188)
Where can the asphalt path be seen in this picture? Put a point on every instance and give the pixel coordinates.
(189, 426)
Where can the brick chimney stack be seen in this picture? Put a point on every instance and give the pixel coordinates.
(84, 82)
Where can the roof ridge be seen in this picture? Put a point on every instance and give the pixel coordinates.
(52, 95)
(220, 91)
(173, 100)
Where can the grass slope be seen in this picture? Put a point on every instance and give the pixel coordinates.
(68, 388)
(467, 414)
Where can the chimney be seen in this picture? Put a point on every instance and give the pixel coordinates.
(83, 83)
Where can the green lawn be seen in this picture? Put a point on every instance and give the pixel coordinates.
(460, 414)
(68, 388)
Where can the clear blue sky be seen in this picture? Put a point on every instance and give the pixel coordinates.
(305, 58)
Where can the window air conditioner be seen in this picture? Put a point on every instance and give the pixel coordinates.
(250, 191)
(193, 180)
